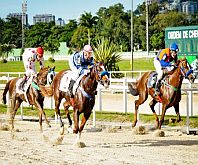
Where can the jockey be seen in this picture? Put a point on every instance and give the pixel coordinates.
(194, 65)
(79, 63)
(163, 61)
(30, 56)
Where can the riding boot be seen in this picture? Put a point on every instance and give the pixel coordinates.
(157, 87)
(71, 84)
(21, 86)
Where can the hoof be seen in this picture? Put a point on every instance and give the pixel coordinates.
(141, 130)
(79, 144)
(70, 130)
(62, 130)
(159, 133)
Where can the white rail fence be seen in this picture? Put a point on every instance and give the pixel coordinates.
(117, 86)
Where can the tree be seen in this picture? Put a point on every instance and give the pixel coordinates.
(11, 32)
(68, 32)
(38, 34)
(160, 22)
(5, 49)
(79, 39)
(88, 21)
(114, 23)
(106, 52)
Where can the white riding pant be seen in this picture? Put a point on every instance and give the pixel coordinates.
(75, 74)
(159, 69)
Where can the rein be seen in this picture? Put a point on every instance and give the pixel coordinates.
(86, 94)
(101, 74)
(185, 75)
(170, 86)
(49, 80)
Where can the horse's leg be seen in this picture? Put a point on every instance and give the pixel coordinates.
(76, 121)
(142, 98)
(84, 120)
(177, 112)
(152, 105)
(164, 107)
(38, 105)
(82, 124)
(15, 105)
(57, 110)
(66, 107)
(43, 112)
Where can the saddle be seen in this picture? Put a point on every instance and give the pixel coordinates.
(152, 79)
(65, 81)
(25, 86)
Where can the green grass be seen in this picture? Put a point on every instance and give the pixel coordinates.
(138, 64)
(17, 66)
(124, 65)
(108, 116)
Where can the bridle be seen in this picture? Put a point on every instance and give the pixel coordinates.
(99, 79)
(50, 76)
(100, 73)
(182, 69)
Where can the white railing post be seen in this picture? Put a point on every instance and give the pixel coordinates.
(51, 104)
(187, 113)
(94, 117)
(8, 77)
(190, 100)
(99, 99)
(22, 111)
(124, 96)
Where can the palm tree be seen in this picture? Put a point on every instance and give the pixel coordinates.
(5, 49)
(88, 21)
(106, 52)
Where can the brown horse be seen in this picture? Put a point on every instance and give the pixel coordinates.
(33, 94)
(170, 91)
(84, 98)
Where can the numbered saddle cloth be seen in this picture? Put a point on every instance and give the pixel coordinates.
(26, 86)
(152, 79)
(65, 81)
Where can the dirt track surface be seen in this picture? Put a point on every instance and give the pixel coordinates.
(112, 145)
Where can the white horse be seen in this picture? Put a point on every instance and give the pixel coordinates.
(194, 65)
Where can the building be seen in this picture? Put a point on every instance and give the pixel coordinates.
(184, 6)
(189, 7)
(43, 18)
(60, 22)
(19, 17)
(187, 39)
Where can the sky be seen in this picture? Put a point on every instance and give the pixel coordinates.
(65, 9)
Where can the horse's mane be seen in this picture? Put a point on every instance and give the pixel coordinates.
(176, 65)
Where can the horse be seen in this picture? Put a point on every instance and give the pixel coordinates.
(170, 90)
(33, 95)
(84, 98)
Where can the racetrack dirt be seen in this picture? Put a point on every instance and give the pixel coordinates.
(111, 145)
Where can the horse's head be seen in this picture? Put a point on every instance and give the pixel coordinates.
(46, 75)
(186, 70)
(102, 75)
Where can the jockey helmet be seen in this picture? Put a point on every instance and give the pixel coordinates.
(174, 47)
(87, 48)
(40, 51)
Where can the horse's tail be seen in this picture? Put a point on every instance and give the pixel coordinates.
(133, 88)
(5, 91)
(46, 91)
